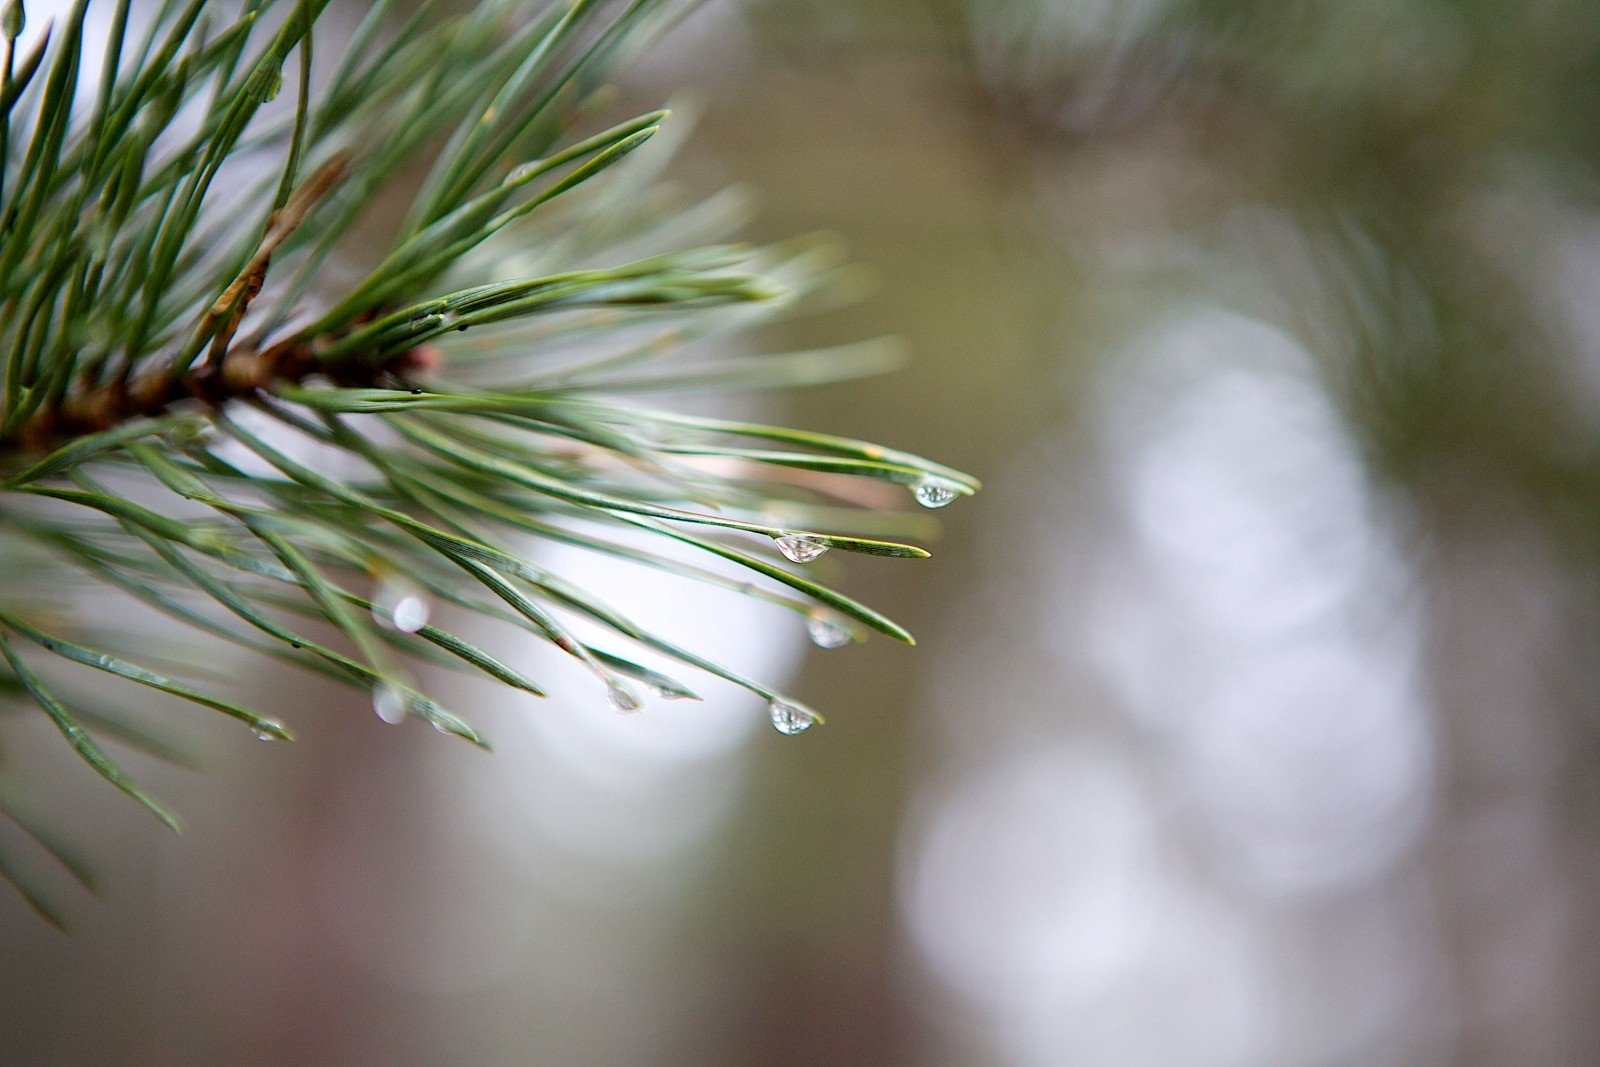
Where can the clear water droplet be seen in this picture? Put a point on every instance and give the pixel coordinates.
(622, 698)
(801, 548)
(400, 605)
(826, 633)
(390, 704)
(268, 730)
(934, 492)
(791, 718)
(410, 615)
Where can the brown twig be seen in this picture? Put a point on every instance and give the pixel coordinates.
(240, 373)
(222, 320)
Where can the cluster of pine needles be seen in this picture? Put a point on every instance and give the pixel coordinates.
(217, 400)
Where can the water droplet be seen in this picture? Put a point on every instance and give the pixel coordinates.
(400, 605)
(826, 633)
(265, 85)
(390, 704)
(934, 492)
(441, 727)
(410, 615)
(192, 432)
(622, 698)
(791, 718)
(666, 693)
(801, 548)
(268, 730)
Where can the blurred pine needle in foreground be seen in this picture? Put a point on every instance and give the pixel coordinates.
(212, 402)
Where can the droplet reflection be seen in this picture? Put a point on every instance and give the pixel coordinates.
(791, 718)
(827, 633)
(934, 492)
(801, 548)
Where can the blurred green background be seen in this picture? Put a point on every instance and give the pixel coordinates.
(1254, 719)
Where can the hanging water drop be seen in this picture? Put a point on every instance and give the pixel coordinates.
(801, 548)
(390, 704)
(265, 85)
(791, 718)
(410, 615)
(268, 730)
(622, 698)
(400, 605)
(934, 492)
(826, 633)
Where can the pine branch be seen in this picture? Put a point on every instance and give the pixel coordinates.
(183, 322)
